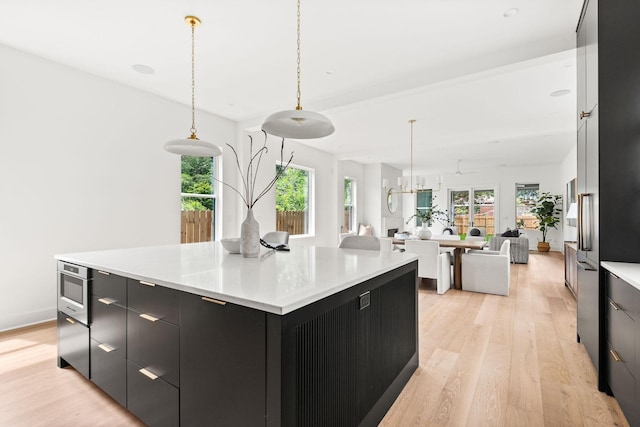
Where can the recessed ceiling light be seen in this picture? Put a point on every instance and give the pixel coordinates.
(143, 69)
(494, 142)
(330, 72)
(560, 92)
(511, 12)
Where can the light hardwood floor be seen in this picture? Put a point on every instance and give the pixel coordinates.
(485, 360)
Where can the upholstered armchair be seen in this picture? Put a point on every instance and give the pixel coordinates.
(487, 271)
(431, 263)
(519, 248)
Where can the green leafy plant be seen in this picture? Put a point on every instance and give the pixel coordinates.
(547, 210)
(429, 214)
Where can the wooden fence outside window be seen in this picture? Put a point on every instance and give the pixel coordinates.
(196, 226)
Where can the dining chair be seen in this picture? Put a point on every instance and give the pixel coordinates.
(431, 263)
(360, 242)
(487, 271)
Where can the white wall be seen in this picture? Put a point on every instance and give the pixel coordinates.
(82, 168)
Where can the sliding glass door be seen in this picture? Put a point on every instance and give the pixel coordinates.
(473, 207)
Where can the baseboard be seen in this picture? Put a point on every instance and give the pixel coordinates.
(23, 320)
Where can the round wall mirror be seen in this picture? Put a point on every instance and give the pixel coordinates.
(392, 200)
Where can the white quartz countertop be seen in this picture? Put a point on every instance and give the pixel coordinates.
(627, 271)
(276, 282)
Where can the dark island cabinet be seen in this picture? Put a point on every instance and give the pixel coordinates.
(623, 346)
(109, 334)
(222, 363)
(73, 344)
(153, 353)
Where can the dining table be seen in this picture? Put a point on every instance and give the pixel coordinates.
(459, 246)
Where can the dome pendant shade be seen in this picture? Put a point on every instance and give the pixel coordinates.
(192, 146)
(298, 124)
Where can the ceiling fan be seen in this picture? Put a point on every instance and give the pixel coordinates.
(459, 172)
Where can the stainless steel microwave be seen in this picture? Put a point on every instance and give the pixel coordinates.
(73, 291)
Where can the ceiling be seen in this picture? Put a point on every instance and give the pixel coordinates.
(478, 83)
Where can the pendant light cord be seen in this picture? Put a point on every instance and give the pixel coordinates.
(193, 79)
(299, 107)
(411, 157)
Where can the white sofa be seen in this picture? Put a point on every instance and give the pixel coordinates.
(431, 263)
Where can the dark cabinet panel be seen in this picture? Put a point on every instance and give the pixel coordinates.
(154, 401)
(73, 344)
(588, 325)
(109, 286)
(154, 345)
(109, 370)
(222, 364)
(109, 323)
(157, 301)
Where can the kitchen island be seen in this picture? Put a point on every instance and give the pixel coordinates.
(191, 335)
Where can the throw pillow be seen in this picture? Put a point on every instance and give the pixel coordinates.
(364, 230)
(474, 232)
(511, 233)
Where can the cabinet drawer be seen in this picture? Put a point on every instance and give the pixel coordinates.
(154, 401)
(111, 286)
(73, 343)
(157, 301)
(622, 383)
(109, 370)
(109, 323)
(154, 345)
(621, 335)
(623, 295)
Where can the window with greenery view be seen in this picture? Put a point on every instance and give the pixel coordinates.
(349, 205)
(197, 199)
(526, 196)
(293, 201)
(424, 199)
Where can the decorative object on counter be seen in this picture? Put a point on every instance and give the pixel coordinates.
(250, 229)
(231, 245)
(192, 145)
(297, 123)
(547, 213)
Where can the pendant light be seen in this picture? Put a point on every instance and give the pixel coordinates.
(192, 145)
(298, 123)
(419, 181)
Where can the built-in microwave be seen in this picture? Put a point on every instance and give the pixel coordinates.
(73, 291)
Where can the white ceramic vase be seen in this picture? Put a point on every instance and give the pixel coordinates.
(424, 233)
(250, 236)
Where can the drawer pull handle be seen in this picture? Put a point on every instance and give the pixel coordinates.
(149, 317)
(105, 348)
(104, 272)
(105, 301)
(614, 305)
(615, 356)
(70, 320)
(584, 114)
(214, 301)
(147, 283)
(148, 374)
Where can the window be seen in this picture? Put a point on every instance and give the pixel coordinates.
(473, 207)
(526, 196)
(349, 205)
(424, 199)
(197, 200)
(293, 201)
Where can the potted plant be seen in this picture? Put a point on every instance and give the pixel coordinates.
(547, 211)
(426, 216)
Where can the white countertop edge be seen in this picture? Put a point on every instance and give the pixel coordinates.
(627, 271)
(279, 310)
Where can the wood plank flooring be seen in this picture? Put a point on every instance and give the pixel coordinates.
(485, 360)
